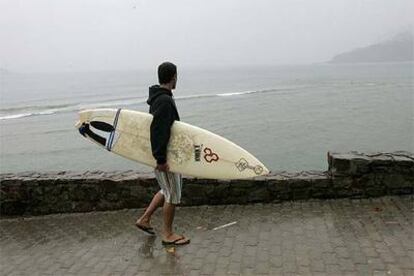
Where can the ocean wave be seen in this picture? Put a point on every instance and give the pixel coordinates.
(32, 107)
(38, 110)
(16, 116)
(247, 92)
(232, 94)
(37, 107)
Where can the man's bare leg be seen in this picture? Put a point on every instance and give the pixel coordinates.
(168, 234)
(168, 213)
(157, 201)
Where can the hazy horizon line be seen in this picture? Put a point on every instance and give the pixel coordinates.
(196, 67)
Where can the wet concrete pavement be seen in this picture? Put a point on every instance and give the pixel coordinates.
(332, 237)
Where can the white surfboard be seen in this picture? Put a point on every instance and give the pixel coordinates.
(191, 150)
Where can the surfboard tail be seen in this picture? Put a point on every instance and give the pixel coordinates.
(78, 124)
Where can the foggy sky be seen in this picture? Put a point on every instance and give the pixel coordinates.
(88, 35)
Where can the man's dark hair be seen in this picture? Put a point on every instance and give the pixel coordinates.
(166, 72)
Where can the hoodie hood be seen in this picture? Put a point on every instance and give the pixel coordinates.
(155, 91)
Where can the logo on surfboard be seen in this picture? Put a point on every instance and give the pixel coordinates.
(197, 152)
(210, 156)
(242, 164)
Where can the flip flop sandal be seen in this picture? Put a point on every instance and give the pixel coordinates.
(148, 230)
(176, 242)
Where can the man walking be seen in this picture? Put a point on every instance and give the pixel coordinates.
(164, 111)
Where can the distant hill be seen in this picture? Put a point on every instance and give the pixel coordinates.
(398, 49)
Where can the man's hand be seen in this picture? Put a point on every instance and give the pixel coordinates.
(163, 167)
(83, 129)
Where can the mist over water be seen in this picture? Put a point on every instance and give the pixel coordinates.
(287, 116)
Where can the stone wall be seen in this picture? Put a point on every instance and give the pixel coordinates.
(356, 174)
(351, 174)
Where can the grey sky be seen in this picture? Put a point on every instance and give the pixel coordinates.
(79, 35)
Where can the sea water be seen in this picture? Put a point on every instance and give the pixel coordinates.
(289, 117)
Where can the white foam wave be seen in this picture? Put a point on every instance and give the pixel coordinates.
(15, 116)
(236, 93)
(68, 108)
(49, 110)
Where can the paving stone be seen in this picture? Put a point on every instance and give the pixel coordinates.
(330, 237)
(408, 272)
(333, 269)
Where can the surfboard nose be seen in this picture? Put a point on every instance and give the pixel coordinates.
(261, 170)
(265, 172)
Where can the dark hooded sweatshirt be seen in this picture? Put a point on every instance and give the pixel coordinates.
(164, 111)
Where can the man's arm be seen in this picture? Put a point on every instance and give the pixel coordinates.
(161, 131)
